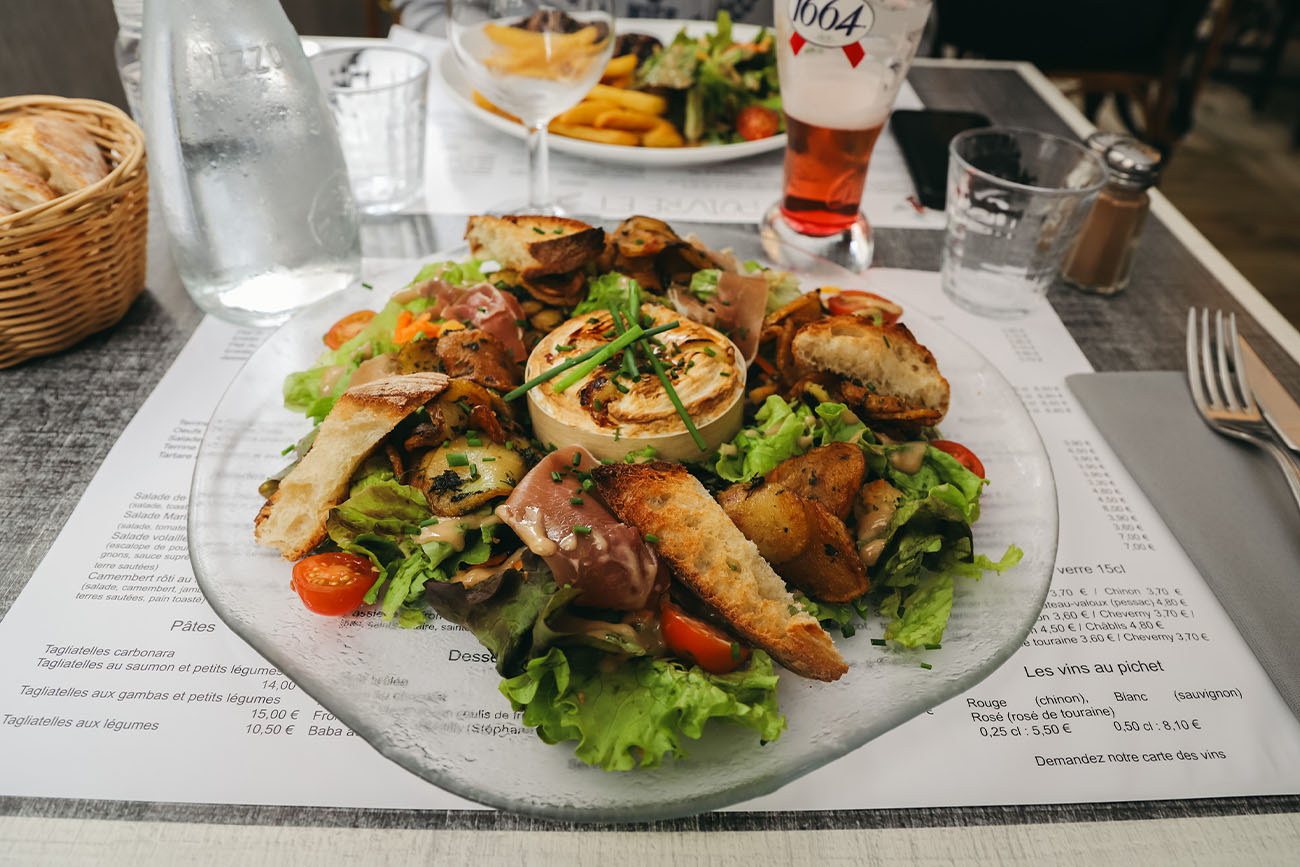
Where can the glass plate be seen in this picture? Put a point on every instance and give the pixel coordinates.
(455, 83)
(427, 698)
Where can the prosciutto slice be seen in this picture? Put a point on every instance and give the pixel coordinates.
(578, 537)
(736, 310)
(496, 312)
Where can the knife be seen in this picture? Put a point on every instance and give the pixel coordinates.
(1281, 410)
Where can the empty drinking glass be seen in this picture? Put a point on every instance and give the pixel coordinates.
(378, 96)
(1016, 199)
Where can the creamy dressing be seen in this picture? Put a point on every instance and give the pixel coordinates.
(451, 531)
(532, 532)
(909, 458)
(330, 377)
(374, 368)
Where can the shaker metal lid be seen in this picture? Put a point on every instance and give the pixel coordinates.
(1132, 162)
(1101, 141)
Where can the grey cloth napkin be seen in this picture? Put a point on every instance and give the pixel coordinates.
(1225, 501)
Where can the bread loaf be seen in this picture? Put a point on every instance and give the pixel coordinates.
(293, 518)
(56, 150)
(20, 188)
(713, 558)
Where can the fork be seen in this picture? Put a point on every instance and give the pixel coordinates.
(1222, 411)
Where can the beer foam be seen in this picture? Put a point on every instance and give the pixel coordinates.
(821, 87)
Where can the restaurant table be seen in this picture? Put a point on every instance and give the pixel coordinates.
(63, 413)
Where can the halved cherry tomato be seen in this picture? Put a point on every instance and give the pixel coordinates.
(347, 328)
(849, 301)
(333, 583)
(964, 456)
(755, 122)
(703, 643)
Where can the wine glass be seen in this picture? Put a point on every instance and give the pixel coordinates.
(533, 59)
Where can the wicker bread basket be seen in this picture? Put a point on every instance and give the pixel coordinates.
(71, 266)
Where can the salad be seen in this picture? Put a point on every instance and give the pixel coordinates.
(627, 600)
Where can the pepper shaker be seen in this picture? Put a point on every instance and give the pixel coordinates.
(1102, 256)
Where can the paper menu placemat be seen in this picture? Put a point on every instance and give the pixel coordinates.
(120, 683)
(469, 167)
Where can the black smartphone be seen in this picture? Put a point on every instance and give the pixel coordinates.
(923, 137)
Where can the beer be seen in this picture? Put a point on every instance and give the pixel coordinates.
(825, 171)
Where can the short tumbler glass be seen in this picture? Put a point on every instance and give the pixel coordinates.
(1016, 199)
(378, 96)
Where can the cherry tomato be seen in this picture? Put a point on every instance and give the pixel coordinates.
(964, 456)
(699, 642)
(333, 583)
(755, 122)
(849, 301)
(347, 328)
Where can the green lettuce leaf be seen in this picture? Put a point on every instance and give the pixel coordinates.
(833, 427)
(704, 283)
(609, 291)
(776, 437)
(924, 613)
(638, 712)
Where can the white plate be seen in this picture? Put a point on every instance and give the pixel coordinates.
(397, 689)
(454, 80)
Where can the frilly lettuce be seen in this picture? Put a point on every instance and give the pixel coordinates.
(775, 437)
(638, 712)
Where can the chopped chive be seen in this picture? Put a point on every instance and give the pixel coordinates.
(510, 446)
(564, 347)
(577, 459)
(651, 538)
(848, 630)
(596, 403)
(879, 642)
(366, 286)
(733, 567)
(428, 522)
(521, 323)
(735, 650)
(473, 471)
(618, 433)
(592, 320)
(584, 530)
(588, 484)
(723, 373)
(611, 334)
(708, 350)
(621, 387)
(457, 459)
(639, 241)
(488, 459)
(933, 646)
(676, 400)
(927, 666)
(576, 501)
(555, 476)
(538, 230)
(559, 231)
(290, 447)
(472, 438)
(886, 339)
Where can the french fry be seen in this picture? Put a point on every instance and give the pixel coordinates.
(663, 135)
(482, 102)
(622, 118)
(633, 99)
(622, 82)
(591, 133)
(517, 37)
(619, 67)
(585, 112)
(542, 55)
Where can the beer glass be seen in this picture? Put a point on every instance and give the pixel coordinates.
(841, 63)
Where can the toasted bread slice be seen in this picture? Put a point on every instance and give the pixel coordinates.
(900, 379)
(293, 518)
(713, 558)
(534, 246)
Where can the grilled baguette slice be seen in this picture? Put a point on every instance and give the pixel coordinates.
(534, 246)
(899, 376)
(293, 518)
(713, 558)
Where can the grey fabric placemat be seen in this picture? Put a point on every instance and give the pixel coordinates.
(1225, 501)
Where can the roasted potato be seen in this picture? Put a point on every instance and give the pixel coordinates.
(830, 474)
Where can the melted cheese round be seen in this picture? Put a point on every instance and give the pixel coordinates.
(704, 366)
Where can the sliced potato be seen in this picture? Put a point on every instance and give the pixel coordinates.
(488, 471)
(830, 474)
(771, 517)
(829, 568)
